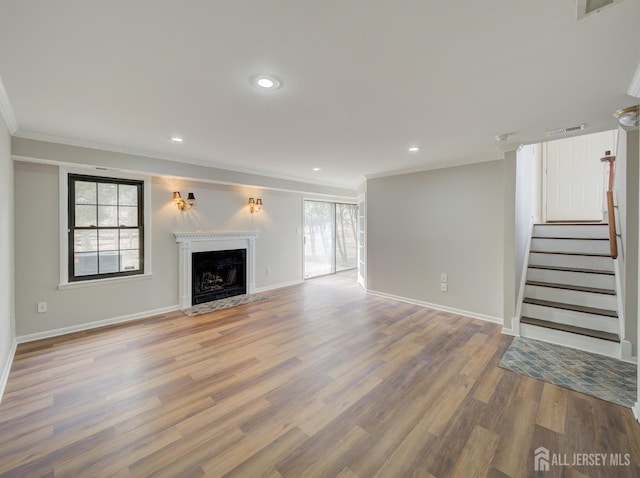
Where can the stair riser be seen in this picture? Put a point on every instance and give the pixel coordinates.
(587, 299)
(564, 230)
(578, 262)
(589, 246)
(603, 347)
(570, 317)
(600, 281)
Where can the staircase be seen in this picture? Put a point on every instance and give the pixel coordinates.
(570, 290)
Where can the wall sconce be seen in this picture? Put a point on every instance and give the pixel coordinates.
(181, 203)
(255, 206)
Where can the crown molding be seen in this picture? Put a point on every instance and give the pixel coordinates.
(6, 110)
(634, 87)
(439, 165)
(169, 157)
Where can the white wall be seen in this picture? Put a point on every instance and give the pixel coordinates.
(7, 331)
(528, 199)
(448, 220)
(219, 207)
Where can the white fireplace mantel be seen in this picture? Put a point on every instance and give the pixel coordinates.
(190, 242)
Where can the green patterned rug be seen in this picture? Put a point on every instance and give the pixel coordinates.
(222, 304)
(596, 375)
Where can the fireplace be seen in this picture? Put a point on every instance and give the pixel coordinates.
(218, 274)
(191, 244)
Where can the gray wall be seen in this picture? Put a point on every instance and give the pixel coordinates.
(219, 207)
(626, 193)
(510, 286)
(441, 221)
(7, 334)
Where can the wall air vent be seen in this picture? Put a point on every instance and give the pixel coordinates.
(588, 7)
(561, 131)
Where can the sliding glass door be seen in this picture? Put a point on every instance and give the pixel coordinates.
(330, 241)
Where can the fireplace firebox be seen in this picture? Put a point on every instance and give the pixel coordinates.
(218, 274)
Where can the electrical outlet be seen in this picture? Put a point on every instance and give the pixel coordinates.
(443, 287)
(42, 307)
(443, 277)
(268, 271)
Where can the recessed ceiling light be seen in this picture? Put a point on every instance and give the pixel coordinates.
(413, 149)
(316, 169)
(266, 82)
(177, 139)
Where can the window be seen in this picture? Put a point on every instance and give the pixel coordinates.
(106, 227)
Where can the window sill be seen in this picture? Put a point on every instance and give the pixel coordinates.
(98, 282)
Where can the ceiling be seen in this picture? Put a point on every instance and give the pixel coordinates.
(362, 80)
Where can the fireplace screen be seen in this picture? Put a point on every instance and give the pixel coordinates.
(218, 274)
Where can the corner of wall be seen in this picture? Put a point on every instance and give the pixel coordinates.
(4, 377)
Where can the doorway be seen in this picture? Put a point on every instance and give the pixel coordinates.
(330, 239)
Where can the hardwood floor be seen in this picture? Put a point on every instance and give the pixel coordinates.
(317, 380)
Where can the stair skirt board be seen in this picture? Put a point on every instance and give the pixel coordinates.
(576, 246)
(567, 339)
(572, 297)
(583, 279)
(600, 263)
(589, 231)
(571, 317)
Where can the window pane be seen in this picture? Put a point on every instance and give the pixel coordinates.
(129, 239)
(108, 240)
(86, 216)
(128, 195)
(107, 216)
(130, 261)
(85, 241)
(85, 264)
(346, 239)
(108, 262)
(85, 192)
(107, 194)
(319, 247)
(128, 216)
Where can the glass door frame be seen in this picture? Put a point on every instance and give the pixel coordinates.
(333, 203)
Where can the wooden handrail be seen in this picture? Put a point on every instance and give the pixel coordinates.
(613, 240)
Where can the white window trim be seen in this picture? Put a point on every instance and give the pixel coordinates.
(63, 193)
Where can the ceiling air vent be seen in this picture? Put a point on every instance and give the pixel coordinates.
(588, 7)
(561, 131)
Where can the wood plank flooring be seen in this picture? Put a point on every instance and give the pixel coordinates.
(318, 380)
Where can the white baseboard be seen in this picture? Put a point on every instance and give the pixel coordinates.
(515, 327)
(7, 368)
(626, 350)
(636, 411)
(507, 331)
(94, 325)
(443, 308)
(280, 286)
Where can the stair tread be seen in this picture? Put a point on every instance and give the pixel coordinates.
(588, 254)
(572, 269)
(571, 224)
(572, 238)
(575, 308)
(598, 334)
(577, 288)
